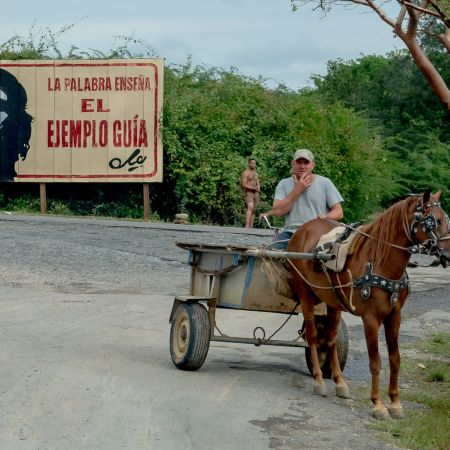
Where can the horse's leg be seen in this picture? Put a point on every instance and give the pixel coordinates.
(391, 331)
(311, 337)
(333, 319)
(371, 327)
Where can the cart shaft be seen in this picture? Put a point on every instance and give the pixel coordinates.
(287, 255)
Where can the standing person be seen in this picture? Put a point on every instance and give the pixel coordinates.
(250, 184)
(302, 197)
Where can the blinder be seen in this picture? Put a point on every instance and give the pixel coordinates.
(429, 224)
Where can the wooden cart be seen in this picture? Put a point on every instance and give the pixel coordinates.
(244, 278)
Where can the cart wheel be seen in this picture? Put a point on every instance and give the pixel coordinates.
(322, 350)
(190, 336)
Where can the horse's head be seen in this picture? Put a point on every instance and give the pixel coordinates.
(431, 227)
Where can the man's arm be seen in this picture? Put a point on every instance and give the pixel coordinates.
(335, 213)
(243, 179)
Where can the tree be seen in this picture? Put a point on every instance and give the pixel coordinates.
(391, 92)
(415, 20)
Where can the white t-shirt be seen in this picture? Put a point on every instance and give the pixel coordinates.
(317, 199)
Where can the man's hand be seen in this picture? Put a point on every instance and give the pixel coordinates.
(303, 182)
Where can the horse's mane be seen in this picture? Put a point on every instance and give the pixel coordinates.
(385, 228)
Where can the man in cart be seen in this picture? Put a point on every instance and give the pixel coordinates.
(302, 197)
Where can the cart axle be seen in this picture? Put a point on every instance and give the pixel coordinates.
(258, 342)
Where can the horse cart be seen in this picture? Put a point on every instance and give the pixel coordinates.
(244, 278)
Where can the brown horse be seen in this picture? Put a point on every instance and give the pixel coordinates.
(372, 285)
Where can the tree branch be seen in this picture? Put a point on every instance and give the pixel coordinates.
(445, 38)
(413, 22)
(380, 12)
(398, 24)
(421, 9)
(442, 14)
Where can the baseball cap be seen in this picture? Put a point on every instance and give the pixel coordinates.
(304, 153)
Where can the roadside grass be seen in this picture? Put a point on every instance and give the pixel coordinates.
(425, 394)
(439, 344)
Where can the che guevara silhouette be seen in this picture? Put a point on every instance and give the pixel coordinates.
(15, 125)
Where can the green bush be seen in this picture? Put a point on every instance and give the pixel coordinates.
(26, 203)
(214, 120)
(59, 207)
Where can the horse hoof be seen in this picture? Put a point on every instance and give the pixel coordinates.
(320, 389)
(396, 413)
(380, 414)
(342, 392)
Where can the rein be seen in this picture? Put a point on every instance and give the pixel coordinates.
(348, 304)
(429, 225)
(390, 244)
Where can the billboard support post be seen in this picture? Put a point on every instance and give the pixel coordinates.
(43, 196)
(146, 195)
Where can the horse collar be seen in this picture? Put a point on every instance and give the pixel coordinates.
(369, 279)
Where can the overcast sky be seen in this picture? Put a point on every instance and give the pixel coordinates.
(258, 37)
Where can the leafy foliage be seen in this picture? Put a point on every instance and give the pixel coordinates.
(25, 204)
(42, 43)
(38, 44)
(214, 120)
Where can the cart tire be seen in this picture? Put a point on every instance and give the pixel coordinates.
(323, 353)
(189, 336)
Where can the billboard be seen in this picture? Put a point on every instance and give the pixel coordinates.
(81, 120)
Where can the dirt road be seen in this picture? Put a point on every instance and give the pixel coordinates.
(84, 355)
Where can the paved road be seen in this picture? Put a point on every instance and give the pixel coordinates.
(84, 357)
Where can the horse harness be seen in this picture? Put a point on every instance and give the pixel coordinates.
(429, 226)
(368, 280)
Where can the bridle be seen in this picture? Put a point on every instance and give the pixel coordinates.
(429, 224)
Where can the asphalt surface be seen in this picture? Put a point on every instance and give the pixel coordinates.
(85, 362)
